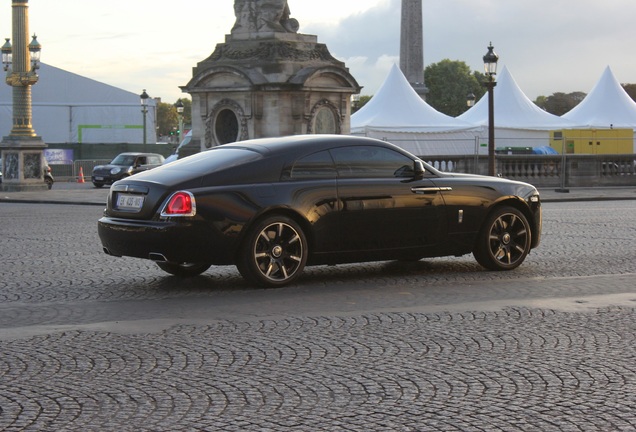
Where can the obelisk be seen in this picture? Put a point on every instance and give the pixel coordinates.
(412, 45)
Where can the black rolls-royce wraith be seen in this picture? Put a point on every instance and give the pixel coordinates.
(272, 206)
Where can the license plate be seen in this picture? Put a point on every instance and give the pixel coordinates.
(99, 178)
(129, 202)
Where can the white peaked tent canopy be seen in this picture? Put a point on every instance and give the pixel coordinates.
(399, 115)
(606, 106)
(69, 108)
(519, 122)
(513, 109)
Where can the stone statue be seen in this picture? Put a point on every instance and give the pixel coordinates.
(256, 16)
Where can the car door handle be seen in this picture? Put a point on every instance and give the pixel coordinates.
(430, 190)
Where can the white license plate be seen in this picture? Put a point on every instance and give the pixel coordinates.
(129, 202)
(99, 178)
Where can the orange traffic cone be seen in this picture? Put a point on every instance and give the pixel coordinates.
(80, 178)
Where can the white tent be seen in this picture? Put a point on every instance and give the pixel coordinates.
(606, 106)
(398, 114)
(519, 122)
(69, 108)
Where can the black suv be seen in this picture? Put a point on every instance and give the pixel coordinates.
(124, 165)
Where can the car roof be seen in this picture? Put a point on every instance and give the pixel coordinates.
(274, 146)
(138, 154)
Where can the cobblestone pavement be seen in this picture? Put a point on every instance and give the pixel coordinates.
(95, 343)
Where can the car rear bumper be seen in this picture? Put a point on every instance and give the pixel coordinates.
(176, 242)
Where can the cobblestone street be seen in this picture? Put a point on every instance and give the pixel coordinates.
(95, 343)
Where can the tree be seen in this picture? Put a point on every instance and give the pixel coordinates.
(560, 103)
(359, 103)
(630, 89)
(168, 118)
(449, 83)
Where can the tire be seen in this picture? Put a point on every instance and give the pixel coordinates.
(504, 240)
(184, 269)
(274, 252)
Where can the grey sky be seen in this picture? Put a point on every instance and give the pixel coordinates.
(547, 45)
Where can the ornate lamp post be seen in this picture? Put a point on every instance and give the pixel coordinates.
(144, 109)
(179, 106)
(470, 100)
(490, 66)
(22, 150)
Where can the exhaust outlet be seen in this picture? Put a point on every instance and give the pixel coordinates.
(157, 257)
(108, 252)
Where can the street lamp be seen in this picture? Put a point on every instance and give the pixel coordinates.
(179, 106)
(7, 54)
(144, 109)
(35, 49)
(490, 66)
(470, 100)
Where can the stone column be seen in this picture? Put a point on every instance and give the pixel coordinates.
(22, 151)
(412, 45)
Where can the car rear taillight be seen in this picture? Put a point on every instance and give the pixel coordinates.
(181, 203)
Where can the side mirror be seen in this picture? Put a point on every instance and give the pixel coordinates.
(418, 167)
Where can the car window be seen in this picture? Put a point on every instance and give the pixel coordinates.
(371, 162)
(315, 166)
(153, 160)
(125, 160)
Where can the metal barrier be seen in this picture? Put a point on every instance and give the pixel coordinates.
(71, 171)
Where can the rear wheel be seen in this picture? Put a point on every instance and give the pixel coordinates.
(274, 252)
(504, 240)
(183, 269)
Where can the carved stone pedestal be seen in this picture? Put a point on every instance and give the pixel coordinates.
(265, 81)
(22, 164)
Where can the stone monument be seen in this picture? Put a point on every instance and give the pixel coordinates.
(412, 45)
(268, 80)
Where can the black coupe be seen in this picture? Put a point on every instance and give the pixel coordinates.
(271, 206)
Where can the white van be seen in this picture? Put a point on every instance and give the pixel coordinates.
(174, 156)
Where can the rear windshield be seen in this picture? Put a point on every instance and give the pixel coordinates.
(215, 160)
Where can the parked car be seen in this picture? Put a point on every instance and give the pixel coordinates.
(272, 206)
(124, 165)
(185, 148)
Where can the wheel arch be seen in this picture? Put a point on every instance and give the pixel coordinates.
(304, 224)
(519, 204)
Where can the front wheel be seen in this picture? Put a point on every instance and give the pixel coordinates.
(504, 240)
(183, 269)
(274, 252)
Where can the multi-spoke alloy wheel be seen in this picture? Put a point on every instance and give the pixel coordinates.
(274, 253)
(504, 241)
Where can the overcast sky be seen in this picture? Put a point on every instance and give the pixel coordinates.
(547, 45)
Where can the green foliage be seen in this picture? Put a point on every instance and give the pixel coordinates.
(559, 103)
(631, 90)
(449, 83)
(362, 101)
(168, 118)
